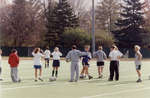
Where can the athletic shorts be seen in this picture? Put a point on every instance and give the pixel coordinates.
(37, 66)
(56, 63)
(100, 63)
(47, 59)
(138, 67)
(85, 64)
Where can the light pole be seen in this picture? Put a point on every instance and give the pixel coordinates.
(93, 26)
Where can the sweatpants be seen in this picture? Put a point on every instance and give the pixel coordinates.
(114, 69)
(74, 70)
(14, 74)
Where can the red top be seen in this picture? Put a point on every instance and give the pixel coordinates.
(13, 60)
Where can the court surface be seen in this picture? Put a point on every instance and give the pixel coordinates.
(95, 88)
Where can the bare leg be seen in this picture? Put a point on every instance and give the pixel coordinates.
(35, 74)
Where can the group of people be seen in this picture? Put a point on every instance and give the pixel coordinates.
(74, 56)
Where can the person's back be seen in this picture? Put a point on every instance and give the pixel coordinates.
(74, 55)
(37, 58)
(13, 60)
(100, 55)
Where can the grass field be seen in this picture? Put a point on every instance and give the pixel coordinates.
(95, 88)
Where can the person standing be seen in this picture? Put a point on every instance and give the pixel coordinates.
(114, 63)
(74, 56)
(101, 56)
(37, 63)
(85, 62)
(47, 54)
(14, 63)
(138, 59)
(56, 61)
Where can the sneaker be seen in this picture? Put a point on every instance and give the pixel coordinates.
(139, 80)
(19, 80)
(71, 81)
(90, 77)
(76, 80)
(1, 79)
(35, 80)
(110, 80)
(81, 77)
(40, 79)
(101, 76)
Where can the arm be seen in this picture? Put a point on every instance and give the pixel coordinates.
(60, 54)
(139, 56)
(105, 57)
(95, 54)
(68, 57)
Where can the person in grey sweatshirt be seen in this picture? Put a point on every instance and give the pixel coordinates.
(101, 56)
(74, 56)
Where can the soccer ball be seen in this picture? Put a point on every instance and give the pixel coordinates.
(52, 79)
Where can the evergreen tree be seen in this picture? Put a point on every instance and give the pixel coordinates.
(59, 18)
(131, 30)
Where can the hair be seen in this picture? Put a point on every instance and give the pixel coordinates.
(56, 48)
(87, 46)
(100, 47)
(36, 50)
(74, 47)
(137, 46)
(47, 48)
(13, 50)
(113, 47)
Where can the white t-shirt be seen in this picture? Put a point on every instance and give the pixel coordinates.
(56, 55)
(37, 58)
(114, 55)
(0, 61)
(47, 53)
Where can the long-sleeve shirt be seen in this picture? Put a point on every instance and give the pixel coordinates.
(13, 60)
(74, 55)
(100, 55)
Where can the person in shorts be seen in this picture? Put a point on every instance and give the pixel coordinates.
(56, 61)
(138, 59)
(37, 63)
(101, 56)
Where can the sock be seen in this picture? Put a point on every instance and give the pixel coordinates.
(56, 73)
(53, 73)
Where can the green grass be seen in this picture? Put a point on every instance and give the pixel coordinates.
(96, 88)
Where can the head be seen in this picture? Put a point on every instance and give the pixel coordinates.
(37, 50)
(56, 49)
(112, 48)
(137, 48)
(100, 48)
(0, 51)
(14, 51)
(87, 47)
(74, 47)
(47, 48)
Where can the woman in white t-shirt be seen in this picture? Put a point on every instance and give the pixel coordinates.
(37, 63)
(47, 54)
(56, 61)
